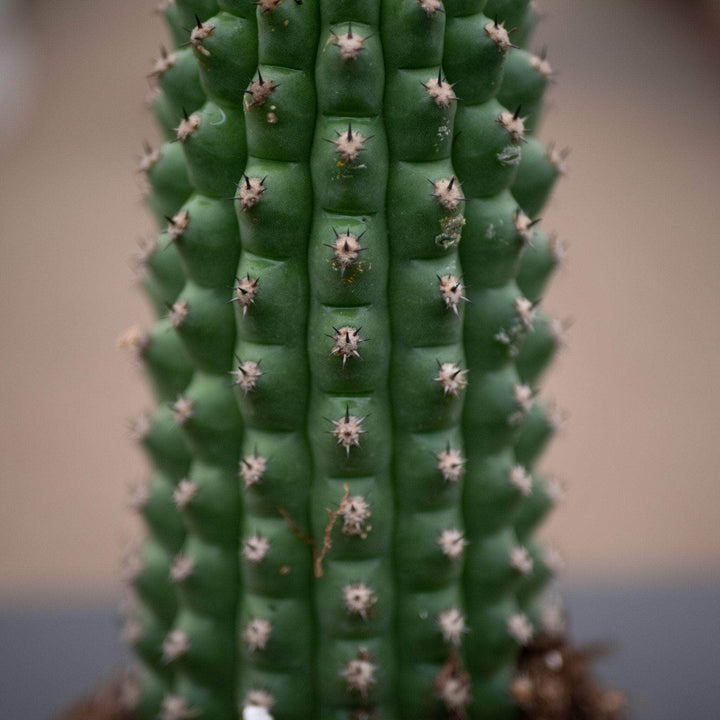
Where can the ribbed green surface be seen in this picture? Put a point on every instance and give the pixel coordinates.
(344, 496)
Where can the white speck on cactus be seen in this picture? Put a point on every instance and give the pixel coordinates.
(440, 92)
(524, 226)
(521, 479)
(140, 427)
(451, 289)
(183, 408)
(257, 633)
(499, 35)
(182, 568)
(359, 599)
(255, 712)
(347, 340)
(558, 158)
(448, 192)
(523, 397)
(201, 32)
(252, 468)
(185, 491)
(359, 673)
(349, 144)
(514, 124)
(348, 430)
(346, 250)
(247, 375)
(175, 645)
(259, 698)
(525, 310)
(540, 64)
(260, 90)
(452, 685)
(452, 379)
(452, 625)
(249, 191)
(555, 490)
(255, 548)
(175, 707)
(451, 464)
(431, 6)
(452, 542)
(135, 340)
(178, 313)
(165, 62)
(559, 330)
(355, 512)
(556, 417)
(520, 560)
(246, 290)
(150, 157)
(349, 45)
(187, 126)
(520, 628)
(178, 224)
(138, 495)
(554, 660)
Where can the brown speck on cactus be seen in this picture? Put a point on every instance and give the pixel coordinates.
(347, 340)
(355, 512)
(252, 468)
(178, 224)
(349, 45)
(175, 645)
(359, 599)
(452, 542)
(183, 408)
(452, 686)
(247, 375)
(260, 90)
(256, 633)
(135, 340)
(201, 32)
(346, 249)
(185, 491)
(249, 191)
(451, 464)
(175, 707)
(349, 144)
(441, 93)
(514, 124)
(359, 673)
(525, 310)
(452, 378)
(150, 157)
(178, 312)
(259, 698)
(520, 560)
(431, 6)
(163, 63)
(140, 427)
(498, 33)
(187, 126)
(255, 548)
(246, 290)
(521, 479)
(181, 568)
(451, 290)
(348, 430)
(452, 625)
(448, 193)
(138, 495)
(520, 628)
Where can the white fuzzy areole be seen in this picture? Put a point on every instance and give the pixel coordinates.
(359, 673)
(198, 35)
(183, 408)
(520, 628)
(259, 698)
(247, 375)
(359, 599)
(349, 144)
(252, 469)
(260, 90)
(175, 707)
(521, 479)
(165, 62)
(448, 192)
(182, 568)
(178, 224)
(135, 340)
(440, 92)
(525, 311)
(348, 430)
(499, 34)
(451, 464)
(451, 290)
(245, 292)
(347, 341)
(349, 45)
(175, 645)
(187, 126)
(255, 548)
(452, 625)
(178, 313)
(257, 633)
(520, 560)
(355, 512)
(256, 712)
(140, 427)
(513, 124)
(452, 379)
(452, 542)
(249, 192)
(541, 66)
(431, 6)
(267, 6)
(150, 157)
(346, 250)
(185, 491)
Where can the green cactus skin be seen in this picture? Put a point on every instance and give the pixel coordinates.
(346, 358)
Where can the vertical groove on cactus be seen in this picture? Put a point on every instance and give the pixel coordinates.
(344, 495)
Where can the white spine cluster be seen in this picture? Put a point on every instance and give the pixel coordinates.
(252, 468)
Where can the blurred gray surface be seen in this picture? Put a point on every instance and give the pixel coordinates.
(667, 638)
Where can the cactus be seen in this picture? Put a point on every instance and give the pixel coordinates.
(346, 357)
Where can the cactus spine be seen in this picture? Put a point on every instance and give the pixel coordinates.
(346, 361)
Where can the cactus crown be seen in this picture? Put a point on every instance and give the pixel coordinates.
(343, 498)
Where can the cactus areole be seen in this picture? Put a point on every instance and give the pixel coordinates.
(343, 496)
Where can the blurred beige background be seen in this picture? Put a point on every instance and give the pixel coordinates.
(638, 102)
